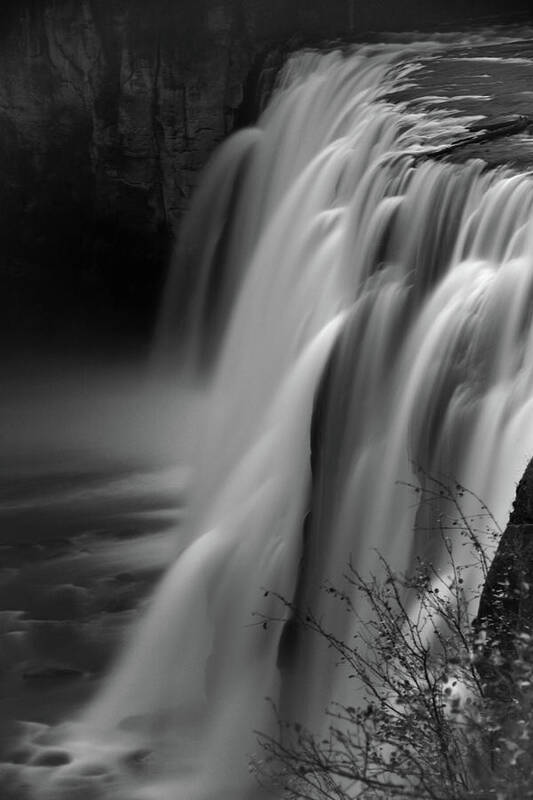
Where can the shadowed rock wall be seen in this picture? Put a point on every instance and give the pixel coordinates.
(108, 110)
(506, 603)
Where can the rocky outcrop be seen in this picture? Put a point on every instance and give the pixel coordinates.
(505, 615)
(108, 110)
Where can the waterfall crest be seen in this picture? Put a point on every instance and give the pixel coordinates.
(353, 309)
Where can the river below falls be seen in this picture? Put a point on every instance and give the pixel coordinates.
(96, 458)
(91, 497)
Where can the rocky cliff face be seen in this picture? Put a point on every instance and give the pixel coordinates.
(108, 110)
(506, 605)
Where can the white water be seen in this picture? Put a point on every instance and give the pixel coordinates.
(413, 281)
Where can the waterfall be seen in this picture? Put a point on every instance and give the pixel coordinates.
(353, 308)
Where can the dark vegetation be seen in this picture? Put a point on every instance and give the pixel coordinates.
(443, 703)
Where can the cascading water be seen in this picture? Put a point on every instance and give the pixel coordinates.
(354, 309)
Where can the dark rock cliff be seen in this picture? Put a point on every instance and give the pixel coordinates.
(108, 109)
(505, 612)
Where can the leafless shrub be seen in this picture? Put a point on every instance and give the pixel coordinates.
(426, 724)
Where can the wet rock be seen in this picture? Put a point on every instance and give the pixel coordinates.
(500, 126)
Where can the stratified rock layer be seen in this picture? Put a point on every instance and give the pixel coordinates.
(109, 109)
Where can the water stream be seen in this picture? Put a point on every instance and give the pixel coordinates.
(355, 310)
